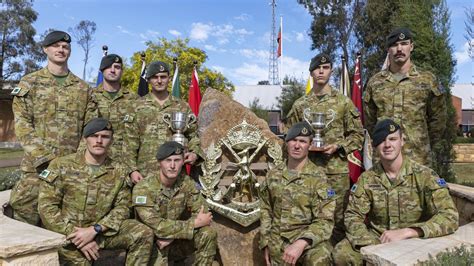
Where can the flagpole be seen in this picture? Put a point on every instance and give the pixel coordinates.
(281, 50)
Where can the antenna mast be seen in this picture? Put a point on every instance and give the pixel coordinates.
(273, 77)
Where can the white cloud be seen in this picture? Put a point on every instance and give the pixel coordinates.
(249, 74)
(174, 33)
(123, 30)
(212, 48)
(243, 17)
(149, 35)
(222, 33)
(260, 56)
(293, 67)
(299, 37)
(462, 56)
(200, 31)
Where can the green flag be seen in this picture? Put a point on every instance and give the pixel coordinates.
(175, 85)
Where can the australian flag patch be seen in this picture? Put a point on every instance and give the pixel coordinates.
(441, 182)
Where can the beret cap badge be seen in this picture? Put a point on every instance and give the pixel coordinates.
(323, 59)
(304, 131)
(401, 36)
(392, 128)
(117, 59)
(162, 68)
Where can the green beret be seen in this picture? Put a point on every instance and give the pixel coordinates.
(319, 60)
(382, 130)
(155, 68)
(399, 34)
(169, 148)
(95, 125)
(299, 129)
(108, 60)
(54, 37)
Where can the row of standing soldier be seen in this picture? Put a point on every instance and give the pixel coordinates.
(52, 105)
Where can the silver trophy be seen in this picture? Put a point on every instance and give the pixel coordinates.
(318, 121)
(179, 122)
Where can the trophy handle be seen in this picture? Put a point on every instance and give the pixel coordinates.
(191, 120)
(332, 116)
(307, 113)
(167, 119)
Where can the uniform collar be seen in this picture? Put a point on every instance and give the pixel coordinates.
(405, 170)
(169, 192)
(308, 169)
(70, 79)
(412, 72)
(120, 93)
(104, 168)
(171, 99)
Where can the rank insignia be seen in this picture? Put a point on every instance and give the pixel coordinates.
(127, 118)
(44, 174)
(15, 91)
(441, 182)
(140, 200)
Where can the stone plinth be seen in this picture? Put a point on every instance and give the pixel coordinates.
(410, 251)
(463, 197)
(24, 244)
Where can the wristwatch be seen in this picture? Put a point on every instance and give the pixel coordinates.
(97, 228)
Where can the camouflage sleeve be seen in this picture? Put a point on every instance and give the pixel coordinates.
(370, 109)
(323, 207)
(50, 200)
(266, 216)
(92, 110)
(444, 215)
(150, 215)
(33, 145)
(120, 211)
(131, 142)
(353, 130)
(354, 217)
(436, 114)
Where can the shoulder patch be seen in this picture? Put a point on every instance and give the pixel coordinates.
(128, 118)
(441, 182)
(331, 192)
(47, 176)
(140, 200)
(354, 188)
(16, 91)
(44, 174)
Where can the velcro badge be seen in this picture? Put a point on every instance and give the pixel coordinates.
(331, 193)
(441, 182)
(140, 200)
(44, 174)
(47, 176)
(15, 91)
(354, 188)
(128, 118)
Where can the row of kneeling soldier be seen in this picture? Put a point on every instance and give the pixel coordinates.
(77, 176)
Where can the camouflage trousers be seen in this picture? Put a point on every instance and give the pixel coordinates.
(345, 254)
(341, 185)
(203, 246)
(133, 236)
(24, 198)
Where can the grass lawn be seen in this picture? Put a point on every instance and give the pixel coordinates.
(10, 153)
(464, 173)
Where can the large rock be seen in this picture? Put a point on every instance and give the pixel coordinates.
(239, 149)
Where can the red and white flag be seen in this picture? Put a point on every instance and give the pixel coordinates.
(355, 158)
(194, 98)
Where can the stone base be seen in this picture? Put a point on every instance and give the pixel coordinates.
(46, 258)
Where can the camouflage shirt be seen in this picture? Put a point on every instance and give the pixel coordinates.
(416, 103)
(49, 117)
(170, 212)
(117, 110)
(146, 131)
(345, 130)
(296, 205)
(416, 198)
(76, 194)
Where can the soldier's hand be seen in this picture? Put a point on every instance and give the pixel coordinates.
(330, 149)
(190, 157)
(82, 236)
(293, 252)
(91, 251)
(136, 177)
(162, 243)
(266, 254)
(202, 219)
(398, 234)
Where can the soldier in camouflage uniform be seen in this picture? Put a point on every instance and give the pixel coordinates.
(50, 106)
(114, 102)
(84, 196)
(410, 96)
(396, 199)
(297, 207)
(170, 204)
(146, 131)
(343, 135)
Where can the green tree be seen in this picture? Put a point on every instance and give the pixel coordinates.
(258, 109)
(83, 34)
(20, 54)
(291, 91)
(166, 50)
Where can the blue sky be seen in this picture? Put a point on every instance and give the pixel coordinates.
(234, 33)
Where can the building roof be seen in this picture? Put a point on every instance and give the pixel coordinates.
(466, 92)
(266, 94)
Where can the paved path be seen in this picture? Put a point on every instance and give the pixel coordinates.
(10, 162)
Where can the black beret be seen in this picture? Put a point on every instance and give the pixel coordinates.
(54, 37)
(319, 60)
(299, 129)
(169, 148)
(382, 130)
(155, 68)
(398, 34)
(108, 60)
(95, 125)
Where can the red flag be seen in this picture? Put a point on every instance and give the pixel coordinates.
(194, 98)
(355, 158)
(279, 43)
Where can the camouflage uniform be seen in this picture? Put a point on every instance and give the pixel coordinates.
(146, 131)
(170, 212)
(117, 110)
(417, 198)
(416, 103)
(346, 130)
(295, 206)
(48, 123)
(74, 194)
